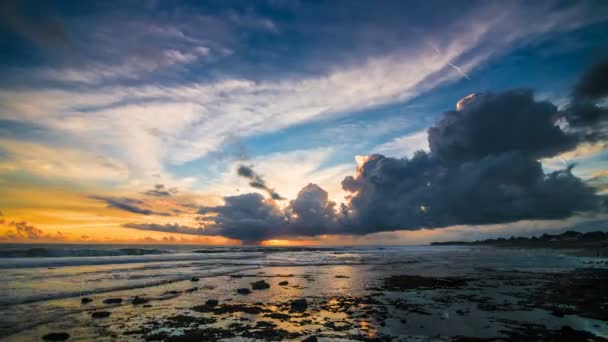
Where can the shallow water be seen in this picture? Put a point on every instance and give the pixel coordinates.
(41, 287)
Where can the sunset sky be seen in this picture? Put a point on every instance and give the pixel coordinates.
(286, 122)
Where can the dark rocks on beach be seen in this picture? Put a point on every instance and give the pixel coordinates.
(299, 305)
(243, 291)
(56, 336)
(100, 314)
(265, 325)
(112, 301)
(180, 321)
(229, 309)
(338, 326)
(212, 303)
(260, 285)
(284, 283)
(208, 334)
(190, 290)
(85, 300)
(139, 300)
(310, 339)
(194, 279)
(270, 334)
(279, 316)
(342, 277)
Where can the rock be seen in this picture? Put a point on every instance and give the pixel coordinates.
(194, 279)
(112, 301)
(278, 315)
(299, 305)
(243, 291)
(260, 285)
(100, 314)
(193, 289)
(265, 325)
(212, 303)
(85, 300)
(180, 321)
(310, 339)
(139, 300)
(229, 309)
(342, 277)
(284, 283)
(56, 336)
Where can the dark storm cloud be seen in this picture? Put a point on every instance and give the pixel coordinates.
(166, 228)
(160, 190)
(127, 204)
(423, 192)
(247, 217)
(256, 181)
(587, 118)
(498, 123)
(312, 213)
(251, 218)
(482, 168)
(594, 83)
(585, 113)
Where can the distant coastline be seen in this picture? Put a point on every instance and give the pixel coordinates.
(588, 244)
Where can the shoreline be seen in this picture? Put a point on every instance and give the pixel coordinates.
(439, 295)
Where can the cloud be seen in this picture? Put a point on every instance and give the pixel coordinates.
(166, 228)
(20, 231)
(256, 181)
(61, 162)
(594, 83)
(492, 124)
(127, 204)
(312, 213)
(587, 114)
(247, 217)
(160, 190)
(426, 192)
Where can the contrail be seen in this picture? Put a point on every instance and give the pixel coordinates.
(459, 70)
(455, 67)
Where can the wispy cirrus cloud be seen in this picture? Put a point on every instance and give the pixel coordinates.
(148, 126)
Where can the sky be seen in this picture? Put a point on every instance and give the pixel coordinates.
(301, 122)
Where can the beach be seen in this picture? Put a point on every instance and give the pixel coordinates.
(365, 293)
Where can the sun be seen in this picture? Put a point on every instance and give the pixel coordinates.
(276, 243)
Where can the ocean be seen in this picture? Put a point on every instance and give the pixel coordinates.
(41, 286)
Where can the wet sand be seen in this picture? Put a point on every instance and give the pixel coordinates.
(469, 295)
